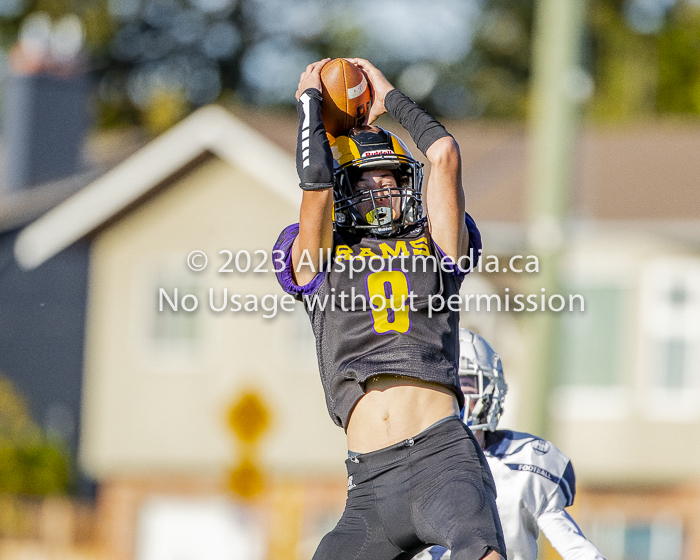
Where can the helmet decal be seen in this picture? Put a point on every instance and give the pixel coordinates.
(379, 153)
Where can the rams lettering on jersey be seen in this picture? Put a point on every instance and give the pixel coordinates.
(385, 250)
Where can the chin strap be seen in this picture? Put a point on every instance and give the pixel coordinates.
(314, 157)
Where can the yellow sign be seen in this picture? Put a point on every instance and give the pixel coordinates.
(246, 480)
(249, 418)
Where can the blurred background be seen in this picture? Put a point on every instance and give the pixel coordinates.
(137, 131)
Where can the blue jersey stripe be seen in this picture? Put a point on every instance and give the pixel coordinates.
(568, 484)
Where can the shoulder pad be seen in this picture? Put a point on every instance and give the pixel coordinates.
(527, 453)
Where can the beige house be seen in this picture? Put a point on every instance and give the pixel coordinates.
(160, 382)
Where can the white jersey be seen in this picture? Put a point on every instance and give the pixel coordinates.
(535, 482)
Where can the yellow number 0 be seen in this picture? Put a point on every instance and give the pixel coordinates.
(388, 301)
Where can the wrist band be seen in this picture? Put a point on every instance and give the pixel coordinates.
(314, 157)
(423, 128)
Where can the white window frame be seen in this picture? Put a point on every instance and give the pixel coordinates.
(663, 321)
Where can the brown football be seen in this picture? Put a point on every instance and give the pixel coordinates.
(346, 96)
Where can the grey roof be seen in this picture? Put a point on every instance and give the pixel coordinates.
(22, 207)
(647, 173)
(102, 151)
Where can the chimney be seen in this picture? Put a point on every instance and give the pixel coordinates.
(44, 110)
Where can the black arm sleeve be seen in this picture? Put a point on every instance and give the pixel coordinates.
(423, 128)
(314, 158)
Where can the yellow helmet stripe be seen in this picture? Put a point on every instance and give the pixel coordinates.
(344, 150)
(398, 146)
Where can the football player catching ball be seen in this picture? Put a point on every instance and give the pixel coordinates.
(416, 474)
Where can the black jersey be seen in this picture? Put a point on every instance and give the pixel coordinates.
(376, 310)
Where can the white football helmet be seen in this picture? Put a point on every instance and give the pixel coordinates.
(482, 381)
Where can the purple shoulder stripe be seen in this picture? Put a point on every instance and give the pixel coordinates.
(474, 238)
(285, 276)
(465, 266)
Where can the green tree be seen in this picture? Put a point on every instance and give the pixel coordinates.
(644, 64)
(679, 62)
(155, 60)
(30, 463)
(99, 28)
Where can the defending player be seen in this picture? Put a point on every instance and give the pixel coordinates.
(535, 481)
(416, 475)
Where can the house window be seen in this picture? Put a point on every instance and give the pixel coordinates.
(591, 339)
(673, 363)
(674, 334)
(670, 308)
(659, 538)
(175, 326)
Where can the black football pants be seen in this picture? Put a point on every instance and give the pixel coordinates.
(435, 488)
